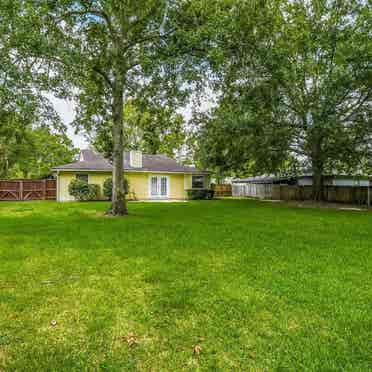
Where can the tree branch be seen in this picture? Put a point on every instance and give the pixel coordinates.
(150, 37)
(103, 74)
(351, 110)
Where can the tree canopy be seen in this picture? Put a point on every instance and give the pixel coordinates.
(32, 136)
(292, 79)
(294, 83)
(152, 130)
(27, 152)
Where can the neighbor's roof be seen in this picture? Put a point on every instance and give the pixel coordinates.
(89, 160)
(277, 179)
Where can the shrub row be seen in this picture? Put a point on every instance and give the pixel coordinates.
(83, 191)
(195, 194)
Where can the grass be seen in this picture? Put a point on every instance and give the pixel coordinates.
(258, 286)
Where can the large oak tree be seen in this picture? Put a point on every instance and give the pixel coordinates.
(294, 82)
(104, 53)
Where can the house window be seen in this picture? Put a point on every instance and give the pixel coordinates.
(82, 177)
(197, 182)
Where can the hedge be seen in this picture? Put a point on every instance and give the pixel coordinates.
(195, 194)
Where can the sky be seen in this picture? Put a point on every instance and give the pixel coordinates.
(66, 110)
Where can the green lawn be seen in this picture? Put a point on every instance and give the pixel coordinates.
(259, 286)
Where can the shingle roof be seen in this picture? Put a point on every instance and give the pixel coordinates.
(89, 155)
(89, 160)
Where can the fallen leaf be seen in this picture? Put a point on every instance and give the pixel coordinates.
(131, 339)
(197, 349)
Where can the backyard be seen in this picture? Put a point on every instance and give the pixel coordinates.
(208, 285)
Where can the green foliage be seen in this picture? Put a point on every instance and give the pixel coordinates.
(196, 194)
(27, 152)
(83, 191)
(299, 89)
(151, 129)
(102, 52)
(107, 187)
(32, 136)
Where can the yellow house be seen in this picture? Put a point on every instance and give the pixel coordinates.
(151, 177)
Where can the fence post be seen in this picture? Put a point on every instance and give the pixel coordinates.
(20, 190)
(44, 189)
(369, 194)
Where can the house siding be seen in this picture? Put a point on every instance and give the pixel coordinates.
(98, 179)
(138, 184)
(63, 180)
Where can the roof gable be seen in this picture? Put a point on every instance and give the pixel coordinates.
(91, 156)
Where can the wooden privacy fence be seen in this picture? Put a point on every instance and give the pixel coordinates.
(222, 190)
(337, 194)
(28, 189)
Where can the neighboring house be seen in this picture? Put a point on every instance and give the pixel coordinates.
(149, 176)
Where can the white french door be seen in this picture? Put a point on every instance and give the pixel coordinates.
(159, 186)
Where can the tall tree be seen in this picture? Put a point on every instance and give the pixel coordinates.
(301, 87)
(25, 113)
(104, 52)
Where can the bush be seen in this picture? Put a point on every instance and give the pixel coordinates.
(195, 194)
(107, 187)
(83, 191)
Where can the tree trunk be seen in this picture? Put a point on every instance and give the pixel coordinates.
(317, 162)
(119, 204)
(318, 192)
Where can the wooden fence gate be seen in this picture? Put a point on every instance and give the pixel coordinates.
(222, 190)
(28, 189)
